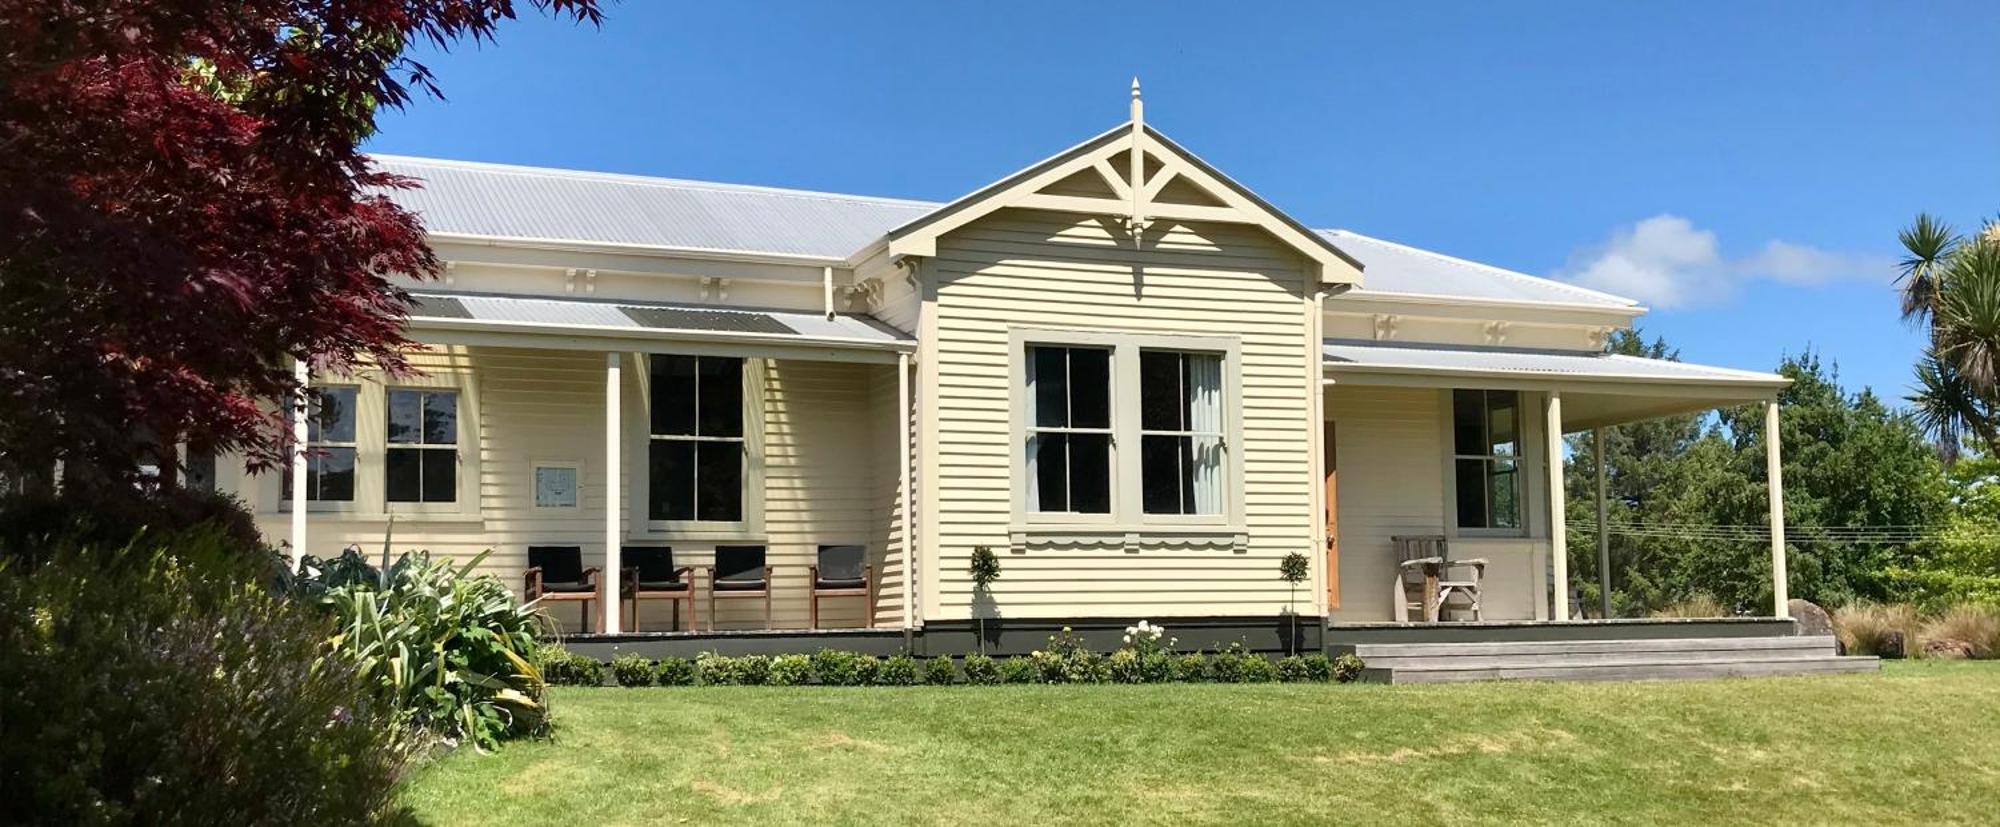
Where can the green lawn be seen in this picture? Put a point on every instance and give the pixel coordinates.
(1918, 743)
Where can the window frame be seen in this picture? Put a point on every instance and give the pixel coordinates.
(1127, 515)
(456, 446)
(637, 418)
(371, 494)
(1527, 462)
(1109, 431)
(1221, 435)
(355, 498)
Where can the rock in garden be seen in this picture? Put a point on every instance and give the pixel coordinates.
(1813, 621)
(1947, 649)
(1891, 645)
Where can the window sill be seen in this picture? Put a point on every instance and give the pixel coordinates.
(427, 517)
(1130, 538)
(739, 534)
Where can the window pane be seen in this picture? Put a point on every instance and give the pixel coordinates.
(719, 481)
(672, 379)
(1048, 455)
(1090, 473)
(403, 473)
(1502, 417)
(336, 475)
(441, 418)
(1089, 388)
(721, 396)
(1506, 493)
(1162, 399)
(333, 421)
(440, 475)
(406, 416)
(1163, 467)
(1471, 481)
(670, 480)
(1468, 422)
(1048, 374)
(201, 470)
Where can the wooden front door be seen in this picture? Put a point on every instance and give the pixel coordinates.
(1332, 510)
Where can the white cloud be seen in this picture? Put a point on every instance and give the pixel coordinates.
(1666, 261)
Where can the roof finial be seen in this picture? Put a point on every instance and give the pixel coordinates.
(1138, 106)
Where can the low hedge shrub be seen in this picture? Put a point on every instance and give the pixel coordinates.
(981, 670)
(900, 670)
(939, 671)
(1347, 668)
(561, 667)
(674, 672)
(633, 670)
(790, 670)
(1020, 669)
(837, 668)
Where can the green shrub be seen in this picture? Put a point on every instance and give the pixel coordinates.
(1305, 669)
(1257, 669)
(790, 670)
(981, 670)
(939, 672)
(1018, 669)
(562, 667)
(1347, 668)
(1190, 668)
(454, 648)
(107, 520)
(900, 670)
(753, 670)
(838, 668)
(1124, 667)
(717, 669)
(170, 686)
(1227, 665)
(671, 671)
(633, 670)
(1065, 659)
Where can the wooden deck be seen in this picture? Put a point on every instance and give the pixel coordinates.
(1604, 659)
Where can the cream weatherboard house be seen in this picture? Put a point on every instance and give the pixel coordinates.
(1136, 382)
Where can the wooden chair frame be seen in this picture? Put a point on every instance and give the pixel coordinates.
(532, 591)
(1435, 569)
(633, 594)
(730, 594)
(866, 590)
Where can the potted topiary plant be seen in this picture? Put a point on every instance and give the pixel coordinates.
(984, 569)
(1293, 570)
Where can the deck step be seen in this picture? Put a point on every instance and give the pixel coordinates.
(1648, 659)
(1369, 651)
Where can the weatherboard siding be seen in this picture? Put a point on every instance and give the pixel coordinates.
(824, 462)
(1048, 270)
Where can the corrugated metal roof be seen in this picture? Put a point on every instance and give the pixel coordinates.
(1397, 268)
(1339, 354)
(574, 313)
(502, 201)
(532, 203)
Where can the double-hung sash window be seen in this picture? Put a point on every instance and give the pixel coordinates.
(1486, 458)
(1069, 436)
(421, 464)
(696, 453)
(1180, 432)
(330, 446)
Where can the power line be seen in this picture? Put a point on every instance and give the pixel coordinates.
(1860, 535)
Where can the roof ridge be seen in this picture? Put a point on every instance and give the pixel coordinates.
(1497, 270)
(651, 180)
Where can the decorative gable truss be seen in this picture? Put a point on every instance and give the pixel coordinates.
(1140, 176)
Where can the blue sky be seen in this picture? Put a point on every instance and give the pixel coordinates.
(1741, 167)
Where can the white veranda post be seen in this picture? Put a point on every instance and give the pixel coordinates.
(302, 374)
(1774, 468)
(608, 578)
(1558, 518)
(903, 490)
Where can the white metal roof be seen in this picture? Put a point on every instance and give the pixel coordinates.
(558, 315)
(530, 203)
(1340, 355)
(1398, 268)
(501, 201)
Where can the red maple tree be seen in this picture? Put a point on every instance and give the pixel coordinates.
(185, 210)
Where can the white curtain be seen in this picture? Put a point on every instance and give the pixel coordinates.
(1204, 391)
(1032, 445)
